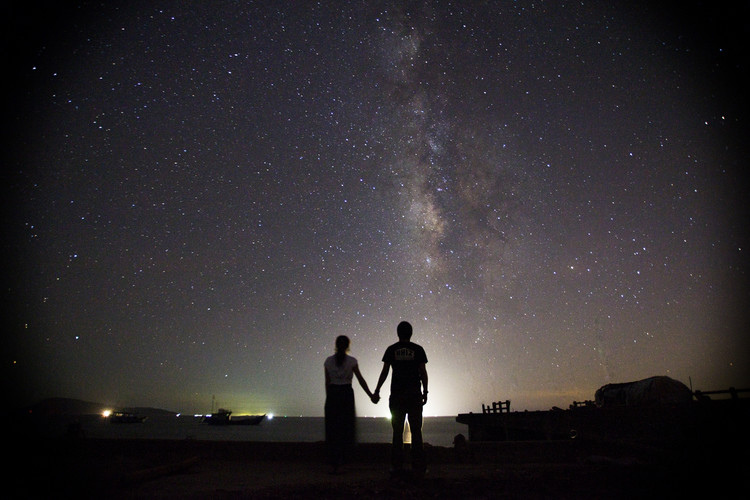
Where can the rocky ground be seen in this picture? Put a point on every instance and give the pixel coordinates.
(543, 469)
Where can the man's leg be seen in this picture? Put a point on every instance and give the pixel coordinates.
(398, 416)
(417, 445)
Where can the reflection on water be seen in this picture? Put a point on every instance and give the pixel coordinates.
(438, 431)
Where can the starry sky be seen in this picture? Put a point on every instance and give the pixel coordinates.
(200, 196)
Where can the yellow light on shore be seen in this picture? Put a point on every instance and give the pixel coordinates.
(106, 413)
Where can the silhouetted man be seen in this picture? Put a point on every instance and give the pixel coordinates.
(408, 395)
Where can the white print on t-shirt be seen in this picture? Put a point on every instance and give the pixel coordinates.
(404, 354)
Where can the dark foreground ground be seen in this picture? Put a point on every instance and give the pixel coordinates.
(118, 469)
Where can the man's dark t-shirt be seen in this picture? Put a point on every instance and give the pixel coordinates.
(405, 359)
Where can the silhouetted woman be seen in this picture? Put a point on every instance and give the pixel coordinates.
(339, 408)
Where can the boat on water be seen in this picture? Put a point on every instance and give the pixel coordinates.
(120, 417)
(224, 417)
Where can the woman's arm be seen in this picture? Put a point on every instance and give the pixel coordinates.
(361, 380)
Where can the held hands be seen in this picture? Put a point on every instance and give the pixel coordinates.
(375, 397)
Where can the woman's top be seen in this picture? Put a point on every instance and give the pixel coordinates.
(340, 375)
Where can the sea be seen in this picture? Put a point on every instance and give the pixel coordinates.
(436, 431)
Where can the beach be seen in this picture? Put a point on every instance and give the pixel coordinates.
(121, 469)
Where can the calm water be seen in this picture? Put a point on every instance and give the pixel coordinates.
(437, 431)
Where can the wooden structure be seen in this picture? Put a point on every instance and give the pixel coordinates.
(582, 404)
(720, 418)
(706, 395)
(497, 407)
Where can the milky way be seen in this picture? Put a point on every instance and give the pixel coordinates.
(201, 197)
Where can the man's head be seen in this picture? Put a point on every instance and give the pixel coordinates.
(404, 331)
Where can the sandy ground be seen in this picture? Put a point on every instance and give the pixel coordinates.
(120, 469)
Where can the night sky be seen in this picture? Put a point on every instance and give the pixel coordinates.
(200, 196)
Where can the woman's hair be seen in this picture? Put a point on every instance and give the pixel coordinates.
(342, 345)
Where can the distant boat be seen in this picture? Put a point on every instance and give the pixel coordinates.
(224, 417)
(120, 417)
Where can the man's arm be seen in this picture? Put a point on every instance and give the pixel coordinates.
(423, 376)
(381, 379)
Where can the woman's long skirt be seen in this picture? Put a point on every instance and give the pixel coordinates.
(340, 423)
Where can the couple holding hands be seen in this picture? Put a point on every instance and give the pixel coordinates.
(408, 395)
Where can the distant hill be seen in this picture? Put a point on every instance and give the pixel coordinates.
(68, 406)
(65, 406)
(148, 411)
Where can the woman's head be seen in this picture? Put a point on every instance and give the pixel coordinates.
(342, 345)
